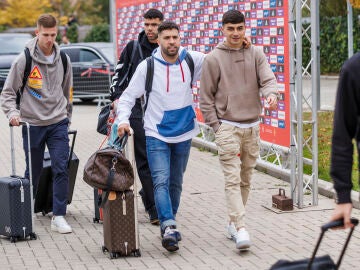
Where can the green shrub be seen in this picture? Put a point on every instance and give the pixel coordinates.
(72, 33)
(333, 43)
(98, 33)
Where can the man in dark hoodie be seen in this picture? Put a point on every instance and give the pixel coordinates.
(345, 132)
(147, 42)
(46, 104)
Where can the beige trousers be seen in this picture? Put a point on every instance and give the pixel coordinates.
(238, 150)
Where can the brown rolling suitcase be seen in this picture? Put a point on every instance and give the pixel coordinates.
(120, 225)
(120, 222)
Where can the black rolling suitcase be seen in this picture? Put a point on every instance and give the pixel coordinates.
(16, 200)
(98, 210)
(44, 193)
(321, 262)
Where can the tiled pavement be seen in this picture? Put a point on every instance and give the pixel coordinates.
(201, 219)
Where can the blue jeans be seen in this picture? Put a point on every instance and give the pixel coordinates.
(167, 162)
(56, 138)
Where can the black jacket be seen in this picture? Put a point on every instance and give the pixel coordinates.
(122, 66)
(346, 128)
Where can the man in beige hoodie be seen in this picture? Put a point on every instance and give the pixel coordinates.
(231, 82)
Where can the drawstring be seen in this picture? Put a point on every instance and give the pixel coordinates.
(168, 72)
(182, 72)
(167, 78)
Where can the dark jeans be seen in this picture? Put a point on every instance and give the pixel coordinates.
(142, 163)
(56, 138)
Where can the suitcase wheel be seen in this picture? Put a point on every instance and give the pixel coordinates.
(13, 239)
(43, 213)
(96, 220)
(137, 253)
(114, 255)
(33, 236)
(104, 249)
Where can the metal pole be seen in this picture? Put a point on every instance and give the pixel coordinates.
(292, 101)
(299, 110)
(350, 29)
(113, 39)
(315, 89)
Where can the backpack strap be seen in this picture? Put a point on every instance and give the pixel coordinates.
(27, 71)
(149, 79)
(28, 60)
(190, 62)
(135, 45)
(64, 62)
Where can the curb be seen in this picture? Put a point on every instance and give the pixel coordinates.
(325, 188)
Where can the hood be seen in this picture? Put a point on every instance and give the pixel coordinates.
(6, 60)
(157, 56)
(38, 55)
(222, 46)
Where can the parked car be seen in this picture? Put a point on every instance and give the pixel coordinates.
(12, 44)
(93, 66)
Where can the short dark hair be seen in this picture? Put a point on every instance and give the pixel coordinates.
(233, 16)
(168, 25)
(46, 21)
(153, 13)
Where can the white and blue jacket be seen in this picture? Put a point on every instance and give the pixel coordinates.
(170, 115)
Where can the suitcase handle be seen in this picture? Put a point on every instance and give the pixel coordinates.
(74, 133)
(331, 225)
(22, 123)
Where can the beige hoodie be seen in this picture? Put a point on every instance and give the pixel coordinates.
(46, 98)
(231, 83)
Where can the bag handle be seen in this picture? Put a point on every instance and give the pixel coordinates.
(326, 227)
(121, 142)
(72, 132)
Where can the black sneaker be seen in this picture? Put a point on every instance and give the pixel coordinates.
(178, 234)
(169, 239)
(153, 216)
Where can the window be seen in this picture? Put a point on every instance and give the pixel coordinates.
(88, 56)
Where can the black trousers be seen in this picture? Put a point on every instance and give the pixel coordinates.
(142, 163)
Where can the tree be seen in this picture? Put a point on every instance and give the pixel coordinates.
(23, 13)
(90, 11)
(333, 8)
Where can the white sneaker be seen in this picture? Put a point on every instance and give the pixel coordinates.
(231, 231)
(59, 224)
(242, 239)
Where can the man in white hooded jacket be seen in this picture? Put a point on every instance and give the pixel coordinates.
(169, 123)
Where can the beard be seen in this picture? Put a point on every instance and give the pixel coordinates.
(173, 51)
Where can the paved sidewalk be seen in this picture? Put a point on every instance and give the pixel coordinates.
(201, 218)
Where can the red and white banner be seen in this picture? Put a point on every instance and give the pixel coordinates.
(200, 24)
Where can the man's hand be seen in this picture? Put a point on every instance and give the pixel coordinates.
(343, 211)
(272, 101)
(247, 42)
(122, 128)
(15, 121)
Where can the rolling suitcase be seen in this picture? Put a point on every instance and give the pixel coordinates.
(16, 199)
(120, 221)
(97, 209)
(321, 262)
(44, 193)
